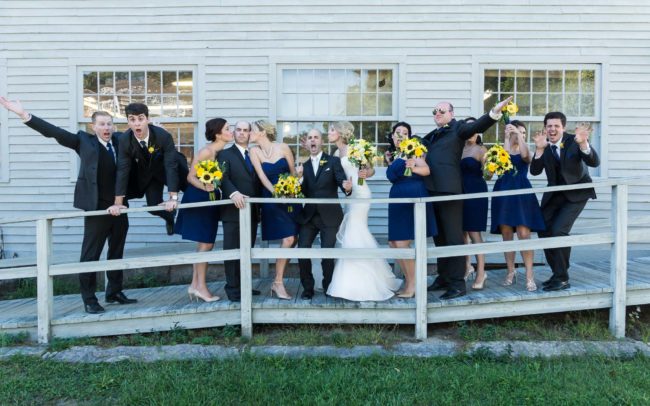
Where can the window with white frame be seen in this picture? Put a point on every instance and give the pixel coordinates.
(537, 90)
(168, 92)
(312, 97)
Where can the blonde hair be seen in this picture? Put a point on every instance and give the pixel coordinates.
(268, 128)
(345, 130)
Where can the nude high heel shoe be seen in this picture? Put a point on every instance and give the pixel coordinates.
(511, 278)
(198, 295)
(479, 286)
(280, 291)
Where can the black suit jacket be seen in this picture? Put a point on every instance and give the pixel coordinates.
(323, 184)
(570, 170)
(237, 178)
(87, 147)
(135, 170)
(445, 149)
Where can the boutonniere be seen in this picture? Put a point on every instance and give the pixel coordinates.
(322, 162)
(561, 145)
(151, 149)
(445, 126)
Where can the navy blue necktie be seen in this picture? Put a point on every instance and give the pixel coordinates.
(110, 150)
(247, 159)
(555, 154)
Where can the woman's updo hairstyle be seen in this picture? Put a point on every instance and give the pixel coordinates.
(345, 130)
(214, 127)
(268, 128)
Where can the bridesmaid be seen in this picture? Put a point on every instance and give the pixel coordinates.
(200, 224)
(520, 213)
(271, 159)
(474, 210)
(401, 221)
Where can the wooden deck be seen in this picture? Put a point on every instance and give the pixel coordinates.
(165, 308)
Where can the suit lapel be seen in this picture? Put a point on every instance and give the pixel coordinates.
(321, 168)
(242, 161)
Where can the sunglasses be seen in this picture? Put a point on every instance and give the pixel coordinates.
(441, 111)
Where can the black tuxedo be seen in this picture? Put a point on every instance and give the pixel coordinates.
(323, 218)
(561, 209)
(94, 190)
(238, 177)
(445, 149)
(141, 173)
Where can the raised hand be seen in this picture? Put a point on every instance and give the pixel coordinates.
(583, 131)
(13, 106)
(299, 169)
(540, 142)
(497, 109)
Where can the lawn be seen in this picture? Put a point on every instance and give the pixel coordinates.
(481, 379)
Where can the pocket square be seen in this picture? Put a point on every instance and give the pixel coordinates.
(327, 169)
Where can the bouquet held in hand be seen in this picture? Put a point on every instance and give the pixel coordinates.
(497, 161)
(209, 172)
(361, 154)
(287, 186)
(411, 148)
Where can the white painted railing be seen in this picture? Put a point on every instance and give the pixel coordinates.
(618, 237)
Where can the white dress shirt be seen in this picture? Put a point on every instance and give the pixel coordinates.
(315, 161)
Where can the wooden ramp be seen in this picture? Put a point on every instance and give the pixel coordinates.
(166, 308)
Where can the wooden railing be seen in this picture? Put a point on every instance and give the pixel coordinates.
(617, 236)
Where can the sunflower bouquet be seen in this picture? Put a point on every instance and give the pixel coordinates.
(209, 172)
(411, 148)
(287, 186)
(497, 161)
(361, 154)
(508, 110)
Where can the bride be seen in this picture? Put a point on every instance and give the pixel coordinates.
(357, 279)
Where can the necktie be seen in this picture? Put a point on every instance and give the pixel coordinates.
(556, 154)
(247, 159)
(143, 145)
(110, 150)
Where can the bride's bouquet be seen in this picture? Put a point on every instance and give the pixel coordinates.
(361, 154)
(497, 160)
(411, 148)
(287, 186)
(209, 172)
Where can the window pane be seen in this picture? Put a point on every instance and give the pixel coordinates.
(539, 81)
(490, 101)
(186, 106)
(523, 101)
(169, 82)
(337, 81)
(507, 81)
(353, 81)
(305, 105)
(587, 81)
(107, 103)
(122, 102)
(155, 105)
(169, 106)
(289, 80)
(523, 81)
(571, 105)
(555, 102)
(370, 81)
(137, 83)
(137, 99)
(106, 83)
(384, 129)
(337, 104)
(368, 131)
(90, 105)
(491, 81)
(587, 105)
(353, 104)
(555, 81)
(153, 82)
(321, 104)
(385, 83)
(321, 80)
(305, 79)
(385, 104)
(571, 81)
(90, 82)
(539, 104)
(186, 133)
(185, 82)
(289, 130)
(369, 105)
(289, 105)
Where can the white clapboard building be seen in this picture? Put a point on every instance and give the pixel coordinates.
(303, 63)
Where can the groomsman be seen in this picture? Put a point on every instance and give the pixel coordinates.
(148, 161)
(565, 158)
(322, 176)
(94, 190)
(238, 183)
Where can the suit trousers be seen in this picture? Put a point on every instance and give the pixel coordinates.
(449, 219)
(559, 215)
(306, 237)
(154, 196)
(232, 267)
(97, 230)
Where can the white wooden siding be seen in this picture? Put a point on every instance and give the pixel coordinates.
(236, 42)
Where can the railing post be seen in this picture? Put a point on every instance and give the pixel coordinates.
(420, 271)
(246, 282)
(44, 289)
(618, 261)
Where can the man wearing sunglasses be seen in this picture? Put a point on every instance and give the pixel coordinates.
(445, 148)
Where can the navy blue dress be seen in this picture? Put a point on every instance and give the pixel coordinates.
(199, 224)
(474, 210)
(519, 209)
(401, 218)
(277, 222)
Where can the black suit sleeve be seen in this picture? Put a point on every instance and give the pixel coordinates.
(537, 164)
(63, 137)
(591, 159)
(170, 160)
(467, 130)
(124, 158)
(227, 186)
(339, 174)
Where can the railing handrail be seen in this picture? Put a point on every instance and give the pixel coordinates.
(639, 180)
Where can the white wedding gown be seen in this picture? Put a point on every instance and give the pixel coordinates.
(362, 278)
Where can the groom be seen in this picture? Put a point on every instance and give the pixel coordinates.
(322, 175)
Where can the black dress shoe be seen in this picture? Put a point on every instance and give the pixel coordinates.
(307, 294)
(556, 285)
(120, 298)
(548, 282)
(453, 294)
(438, 284)
(169, 224)
(93, 308)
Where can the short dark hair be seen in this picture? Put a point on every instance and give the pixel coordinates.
(135, 109)
(214, 127)
(392, 146)
(100, 113)
(555, 114)
(518, 123)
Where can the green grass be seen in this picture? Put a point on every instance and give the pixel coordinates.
(479, 380)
